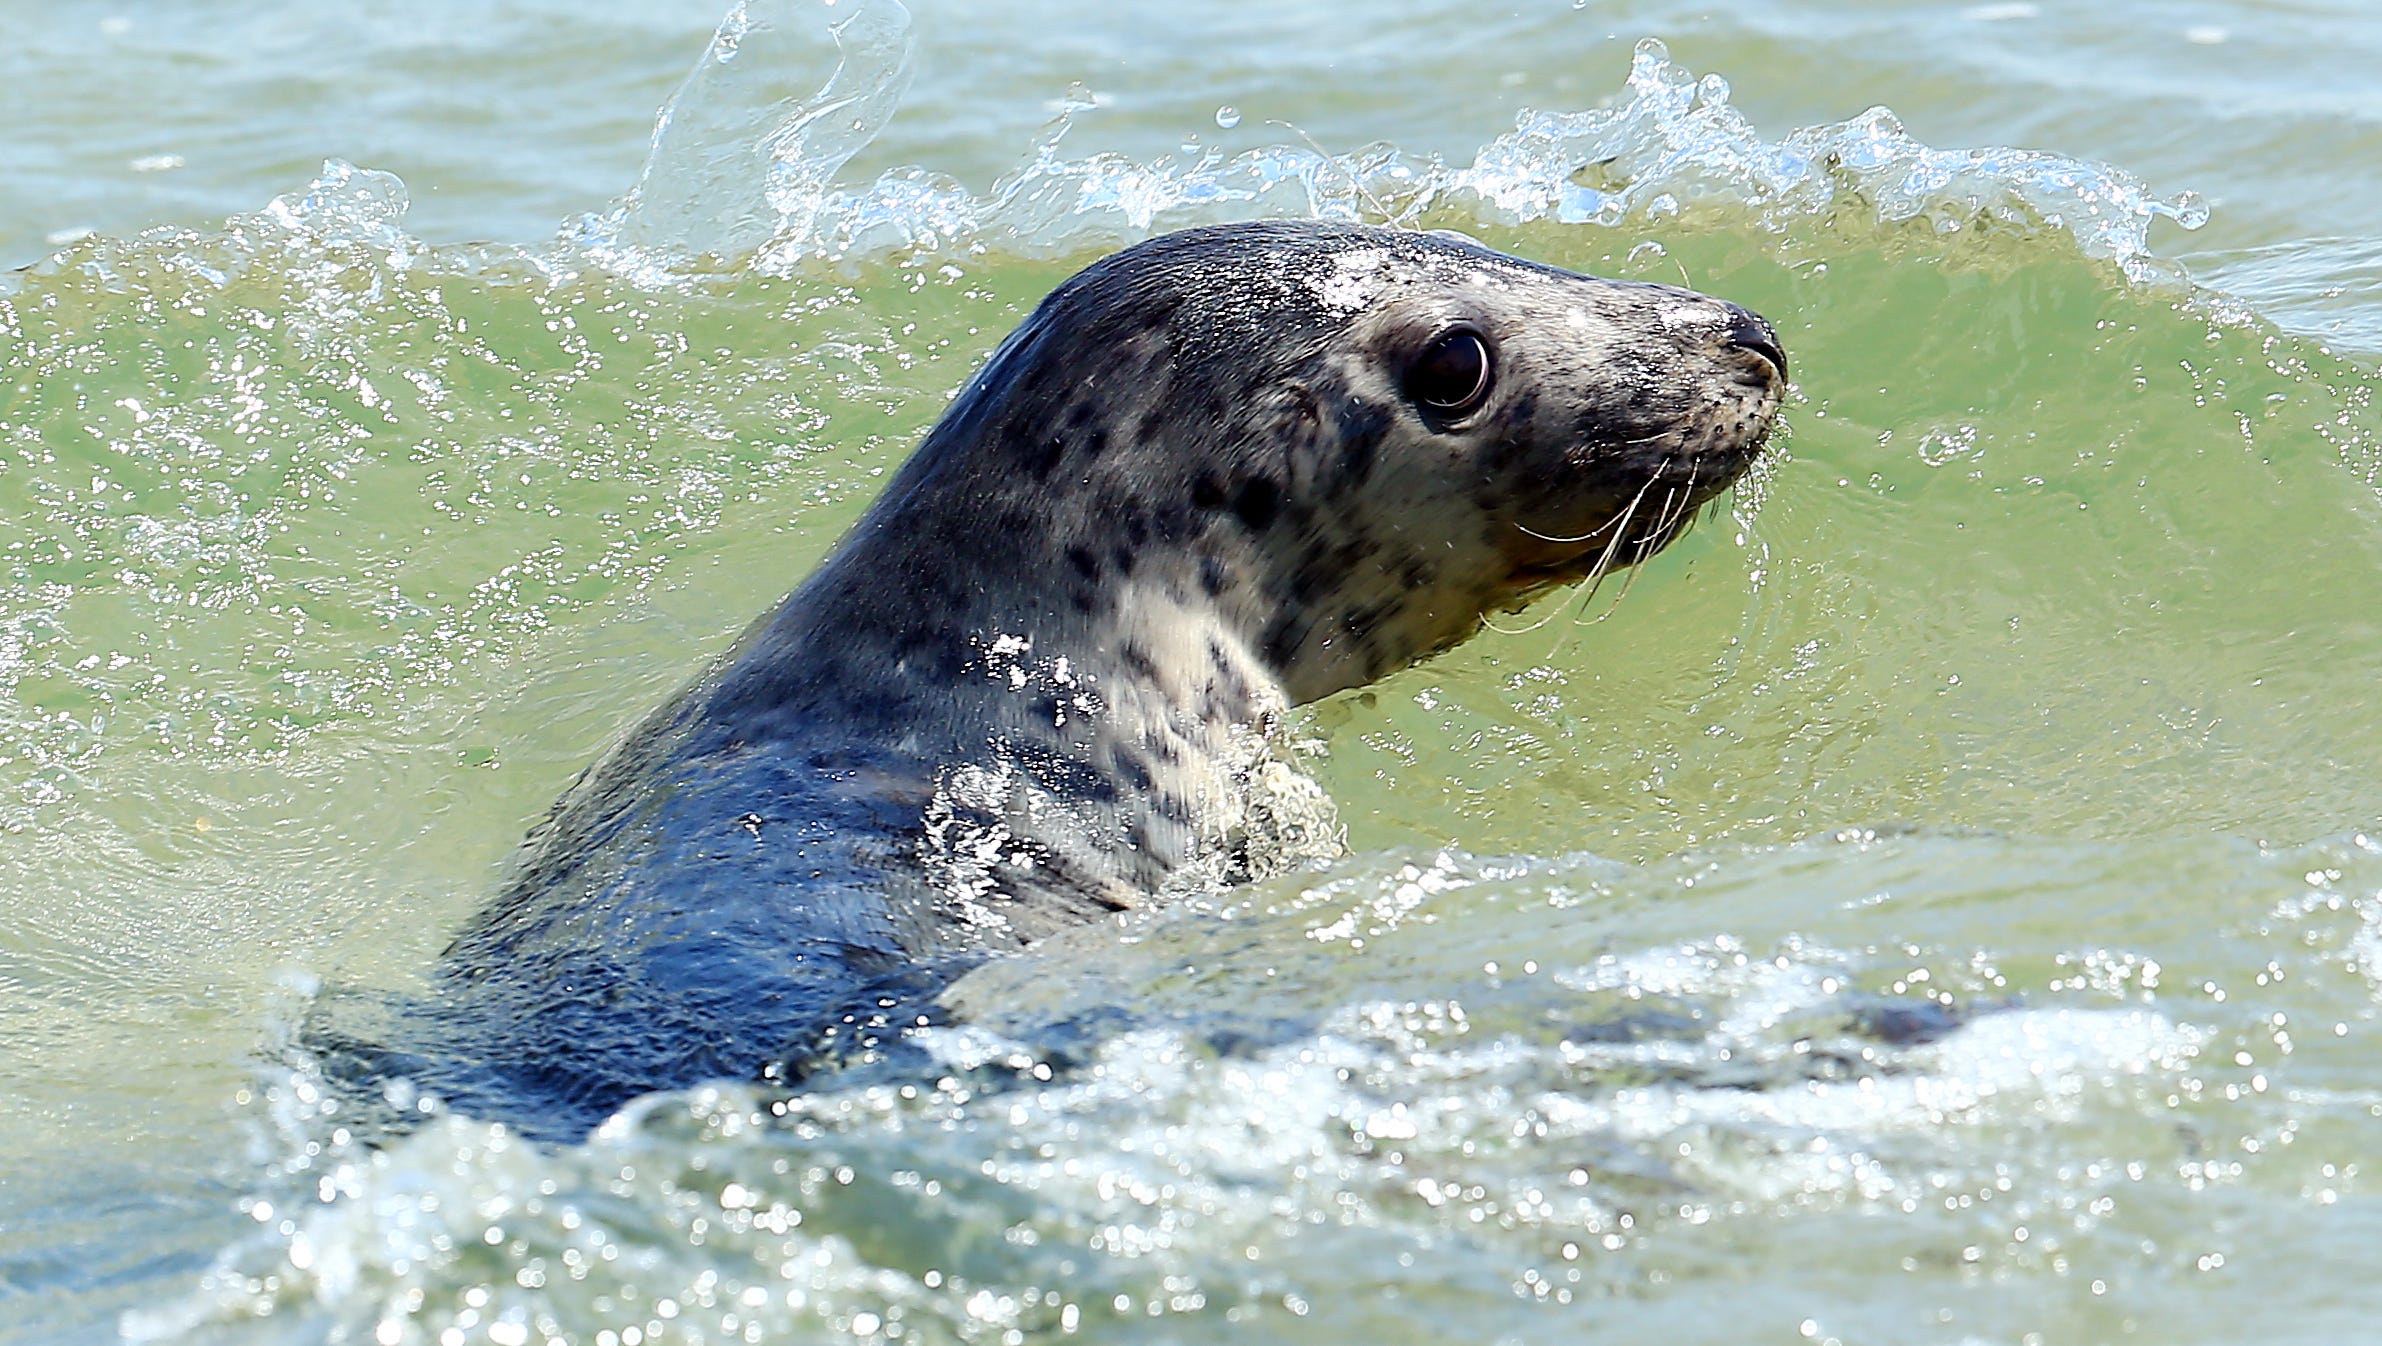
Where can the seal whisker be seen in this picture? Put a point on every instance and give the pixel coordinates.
(1675, 507)
(1617, 521)
(1628, 580)
(1604, 565)
(1491, 623)
(1566, 541)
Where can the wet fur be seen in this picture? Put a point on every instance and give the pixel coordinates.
(1186, 494)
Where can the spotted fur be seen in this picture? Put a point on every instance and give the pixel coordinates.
(1186, 494)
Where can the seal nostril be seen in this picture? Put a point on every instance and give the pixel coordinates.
(1748, 330)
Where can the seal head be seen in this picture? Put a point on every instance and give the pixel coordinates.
(1218, 474)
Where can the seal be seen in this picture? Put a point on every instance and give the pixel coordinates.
(1216, 475)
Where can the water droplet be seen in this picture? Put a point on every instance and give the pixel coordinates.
(1191, 143)
(1228, 116)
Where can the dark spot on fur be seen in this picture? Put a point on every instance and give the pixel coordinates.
(1299, 418)
(1154, 421)
(1138, 659)
(1234, 686)
(1086, 564)
(1225, 698)
(1207, 492)
(1214, 577)
(1362, 427)
(1092, 786)
(1326, 563)
(1041, 458)
(1128, 766)
(1257, 502)
(1213, 705)
(1357, 463)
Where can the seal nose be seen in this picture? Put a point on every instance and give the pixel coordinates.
(1750, 331)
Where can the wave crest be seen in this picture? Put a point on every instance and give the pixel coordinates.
(728, 185)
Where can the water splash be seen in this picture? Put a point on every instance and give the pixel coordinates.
(741, 177)
(345, 207)
(1677, 142)
(1674, 146)
(737, 162)
(1499, 1119)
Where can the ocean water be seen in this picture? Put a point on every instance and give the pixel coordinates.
(1939, 900)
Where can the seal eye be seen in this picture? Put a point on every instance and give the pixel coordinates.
(1452, 374)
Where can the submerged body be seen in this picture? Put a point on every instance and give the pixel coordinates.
(1219, 474)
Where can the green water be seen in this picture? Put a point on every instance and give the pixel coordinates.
(2034, 674)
